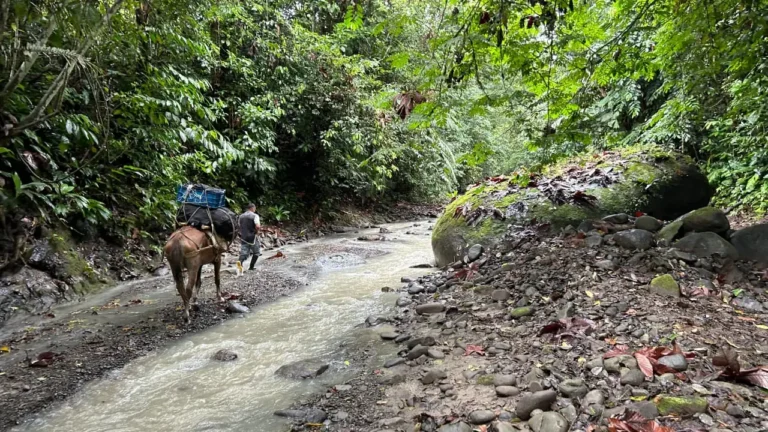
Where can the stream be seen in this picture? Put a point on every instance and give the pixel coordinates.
(181, 388)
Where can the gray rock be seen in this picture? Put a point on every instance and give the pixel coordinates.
(402, 338)
(305, 416)
(391, 422)
(392, 378)
(593, 241)
(648, 223)
(474, 252)
(548, 422)
(481, 417)
(416, 352)
(455, 427)
(161, 271)
(430, 308)
(342, 387)
(394, 362)
(425, 341)
(646, 409)
(507, 391)
(751, 243)
(225, 355)
(706, 219)
(504, 380)
(614, 364)
(586, 226)
(682, 256)
(504, 427)
(675, 361)
(573, 388)
(415, 289)
(634, 377)
(619, 218)
(500, 295)
(433, 375)
(592, 399)
(389, 335)
(435, 353)
(570, 413)
(665, 285)
(540, 400)
(634, 239)
(303, 369)
(707, 244)
(235, 307)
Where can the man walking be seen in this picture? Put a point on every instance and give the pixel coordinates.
(249, 243)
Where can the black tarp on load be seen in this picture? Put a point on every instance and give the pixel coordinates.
(224, 220)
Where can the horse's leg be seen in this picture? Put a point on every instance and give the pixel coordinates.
(217, 274)
(198, 285)
(193, 270)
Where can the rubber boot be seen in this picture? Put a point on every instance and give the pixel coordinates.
(253, 262)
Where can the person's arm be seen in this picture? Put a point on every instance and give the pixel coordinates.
(257, 222)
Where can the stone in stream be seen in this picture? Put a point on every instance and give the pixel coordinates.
(402, 338)
(507, 391)
(648, 223)
(634, 239)
(548, 422)
(540, 400)
(303, 369)
(304, 416)
(235, 307)
(430, 308)
(573, 388)
(425, 341)
(480, 417)
(665, 285)
(403, 301)
(225, 355)
(677, 362)
(416, 352)
(389, 335)
(394, 362)
(415, 289)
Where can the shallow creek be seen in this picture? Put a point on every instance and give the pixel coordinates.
(179, 388)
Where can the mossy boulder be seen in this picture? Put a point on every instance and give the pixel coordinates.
(665, 285)
(662, 184)
(680, 405)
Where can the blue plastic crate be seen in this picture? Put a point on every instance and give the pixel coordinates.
(201, 195)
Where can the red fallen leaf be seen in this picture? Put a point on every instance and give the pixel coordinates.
(639, 213)
(279, 254)
(757, 376)
(645, 364)
(616, 351)
(474, 349)
(631, 421)
(551, 328)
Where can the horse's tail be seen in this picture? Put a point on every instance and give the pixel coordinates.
(175, 257)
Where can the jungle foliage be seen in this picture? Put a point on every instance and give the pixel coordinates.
(107, 105)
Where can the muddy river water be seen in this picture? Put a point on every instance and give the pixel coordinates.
(179, 388)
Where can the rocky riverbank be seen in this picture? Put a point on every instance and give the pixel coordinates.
(622, 325)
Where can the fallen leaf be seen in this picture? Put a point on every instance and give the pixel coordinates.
(589, 294)
(747, 319)
(645, 364)
(761, 326)
(5, 349)
(474, 349)
(639, 398)
(616, 351)
(279, 254)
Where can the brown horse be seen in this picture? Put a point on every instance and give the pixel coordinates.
(189, 248)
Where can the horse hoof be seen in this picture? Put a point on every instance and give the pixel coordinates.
(195, 307)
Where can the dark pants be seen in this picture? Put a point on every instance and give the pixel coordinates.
(247, 249)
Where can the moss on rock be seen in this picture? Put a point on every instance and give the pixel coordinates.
(665, 285)
(648, 179)
(680, 405)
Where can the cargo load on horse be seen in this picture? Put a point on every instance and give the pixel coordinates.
(203, 207)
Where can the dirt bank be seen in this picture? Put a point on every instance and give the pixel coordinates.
(556, 333)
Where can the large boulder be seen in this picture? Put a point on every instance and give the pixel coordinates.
(752, 243)
(661, 184)
(707, 244)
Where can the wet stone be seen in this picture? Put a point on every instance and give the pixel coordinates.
(540, 400)
(225, 355)
(455, 427)
(303, 369)
(504, 380)
(615, 364)
(675, 361)
(394, 362)
(403, 301)
(435, 353)
(500, 295)
(415, 289)
(633, 377)
(389, 335)
(430, 308)
(474, 252)
(573, 388)
(481, 417)
(433, 376)
(417, 352)
(507, 391)
(548, 422)
(646, 409)
(402, 338)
